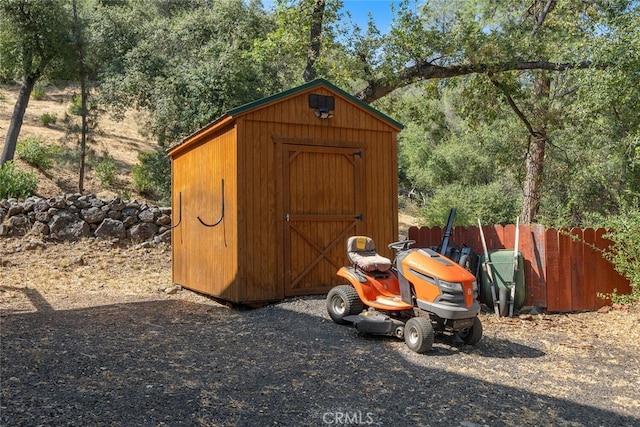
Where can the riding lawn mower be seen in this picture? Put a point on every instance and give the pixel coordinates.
(417, 296)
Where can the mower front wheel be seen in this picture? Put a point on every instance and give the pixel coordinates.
(343, 301)
(472, 335)
(418, 334)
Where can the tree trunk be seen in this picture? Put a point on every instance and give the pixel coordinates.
(83, 98)
(313, 53)
(16, 119)
(534, 163)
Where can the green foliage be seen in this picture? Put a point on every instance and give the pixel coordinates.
(35, 39)
(152, 176)
(48, 119)
(494, 203)
(35, 151)
(75, 106)
(105, 171)
(624, 252)
(14, 183)
(185, 68)
(38, 92)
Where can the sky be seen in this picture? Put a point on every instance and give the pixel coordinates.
(359, 9)
(380, 10)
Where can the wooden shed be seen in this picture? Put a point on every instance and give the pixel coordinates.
(265, 197)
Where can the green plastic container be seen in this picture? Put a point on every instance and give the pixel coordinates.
(501, 263)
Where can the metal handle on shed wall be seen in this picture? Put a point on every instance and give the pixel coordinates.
(221, 214)
(179, 212)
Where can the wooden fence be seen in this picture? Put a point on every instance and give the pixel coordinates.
(563, 270)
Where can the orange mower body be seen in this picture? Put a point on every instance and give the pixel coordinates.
(418, 296)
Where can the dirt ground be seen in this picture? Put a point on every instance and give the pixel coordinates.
(120, 139)
(90, 336)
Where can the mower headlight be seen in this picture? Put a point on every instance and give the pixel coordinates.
(451, 286)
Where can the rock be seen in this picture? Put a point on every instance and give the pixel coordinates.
(41, 216)
(93, 215)
(163, 219)
(18, 225)
(29, 203)
(58, 202)
(41, 206)
(129, 221)
(15, 210)
(78, 260)
(111, 228)
(39, 229)
(143, 231)
(82, 202)
(114, 214)
(66, 227)
(172, 289)
(129, 211)
(117, 204)
(74, 216)
(95, 201)
(163, 238)
(146, 216)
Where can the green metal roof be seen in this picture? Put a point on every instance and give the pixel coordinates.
(311, 84)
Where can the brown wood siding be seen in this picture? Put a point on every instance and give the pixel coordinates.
(257, 242)
(204, 258)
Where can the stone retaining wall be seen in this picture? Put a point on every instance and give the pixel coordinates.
(76, 216)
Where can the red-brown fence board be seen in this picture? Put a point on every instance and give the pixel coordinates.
(532, 242)
(576, 242)
(590, 255)
(564, 269)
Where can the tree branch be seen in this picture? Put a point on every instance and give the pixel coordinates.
(540, 19)
(424, 70)
(515, 108)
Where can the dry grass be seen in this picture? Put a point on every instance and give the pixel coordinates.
(120, 139)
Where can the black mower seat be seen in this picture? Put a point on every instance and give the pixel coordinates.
(362, 253)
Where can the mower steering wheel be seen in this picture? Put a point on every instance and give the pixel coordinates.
(401, 245)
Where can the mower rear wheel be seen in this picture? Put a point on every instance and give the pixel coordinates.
(343, 301)
(418, 334)
(472, 335)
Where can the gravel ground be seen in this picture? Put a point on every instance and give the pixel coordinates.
(151, 359)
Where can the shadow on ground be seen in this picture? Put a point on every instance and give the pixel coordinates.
(181, 363)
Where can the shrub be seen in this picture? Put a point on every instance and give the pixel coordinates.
(495, 203)
(38, 92)
(105, 171)
(14, 183)
(75, 106)
(34, 151)
(48, 119)
(624, 252)
(153, 175)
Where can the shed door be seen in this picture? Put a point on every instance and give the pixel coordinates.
(323, 192)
